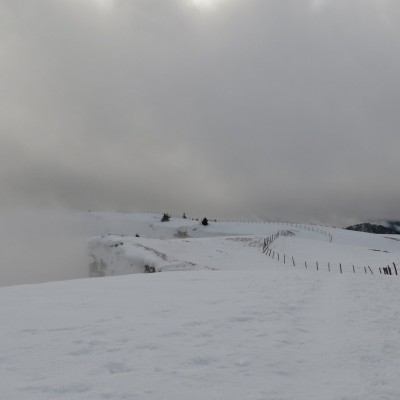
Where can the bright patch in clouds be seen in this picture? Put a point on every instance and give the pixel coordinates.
(104, 4)
(205, 4)
(319, 3)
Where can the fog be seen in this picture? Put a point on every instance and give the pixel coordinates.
(49, 245)
(42, 246)
(285, 110)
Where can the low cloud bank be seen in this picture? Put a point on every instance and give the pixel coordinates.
(42, 246)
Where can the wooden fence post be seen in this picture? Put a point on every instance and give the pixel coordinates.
(317, 264)
(354, 270)
(395, 268)
(370, 269)
(329, 267)
(305, 263)
(341, 268)
(294, 264)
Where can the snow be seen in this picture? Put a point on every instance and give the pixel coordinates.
(233, 323)
(214, 247)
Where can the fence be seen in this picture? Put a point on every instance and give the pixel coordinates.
(319, 266)
(310, 227)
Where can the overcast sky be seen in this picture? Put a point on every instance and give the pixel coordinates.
(283, 109)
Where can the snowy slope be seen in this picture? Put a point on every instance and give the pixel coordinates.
(214, 247)
(54, 246)
(233, 323)
(259, 334)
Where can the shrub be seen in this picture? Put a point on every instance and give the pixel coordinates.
(165, 218)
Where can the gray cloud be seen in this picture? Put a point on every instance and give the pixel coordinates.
(282, 109)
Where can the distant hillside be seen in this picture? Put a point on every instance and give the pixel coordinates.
(395, 225)
(372, 228)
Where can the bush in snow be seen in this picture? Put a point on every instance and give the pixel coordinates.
(165, 218)
(148, 269)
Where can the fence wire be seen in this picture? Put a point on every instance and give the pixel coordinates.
(322, 266)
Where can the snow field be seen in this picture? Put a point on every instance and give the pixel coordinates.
(215, 247)
(272, 334)
(233, 323)
(372, 253)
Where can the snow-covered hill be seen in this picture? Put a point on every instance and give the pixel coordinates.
(233, 323)
(182, 244)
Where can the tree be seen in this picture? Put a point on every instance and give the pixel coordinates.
(165, 218)
(204, 221)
